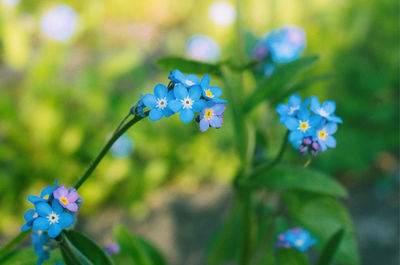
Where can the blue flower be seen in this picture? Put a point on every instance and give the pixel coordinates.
(291, 109)
(285, 44)
(29, 216)
(52, 218)
(45, 194)
(303, 125)
(158, 102)
(40, 243)
(324, 136)
(325, 109)
(187, 103)
(211, 115)
(178, 78)
(297, 238)
(211, 93)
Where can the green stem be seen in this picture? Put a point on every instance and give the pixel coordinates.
(105, 149)
(245, 254)
(7, 248)
(274, 162)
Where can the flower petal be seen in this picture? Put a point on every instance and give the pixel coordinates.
(46, 191)
(205, 81)
(175, 105)
(72, 195)
(204, 124)
(330, 141)
(294, 100)
(160, 91)
(295, 136)
(218, 109)
(334, 118)
(43, 208)
(292, 123)
(331, 128)
(41, 223)
(29, 215)
(73, 207)
(315, 105)
(282, 109)
(195, 92)
(155, 114)
(180, 92)
(216, 91)
(66, 219)
(54, 230)
(198, 105)
(329, 106)
(303, 114)
(56, 206)
(167, 112)
(35, 199)
(149, 100)
(215, 122)
(186, 115)
(192, 79)
(26, 227)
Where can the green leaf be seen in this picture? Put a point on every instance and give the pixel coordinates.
(135, 250)
(26, 256)
(296, 178)
(330, 248)
(77, 246)
(188, 66)
(290, 256)
(324, 215)
(280, 81)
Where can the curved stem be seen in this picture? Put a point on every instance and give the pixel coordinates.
(122, 122)
(105, 149)
(274, 162)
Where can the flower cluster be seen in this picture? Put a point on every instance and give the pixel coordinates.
(53, 211)
(280, 45)
(186, 95)
(310, 131)
(297, 238)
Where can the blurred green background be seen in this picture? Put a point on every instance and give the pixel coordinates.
(61, 96)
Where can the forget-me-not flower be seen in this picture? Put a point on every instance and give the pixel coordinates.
(211, 115)
(297, 238)
(67, 198)
(290, 110)
(159, 102)
(52, 218)
(40, 243)
(179, 78)
(324, 136)
(325, 110)
(45, 194)
(187, 102)
(211, 93)
(29, 216)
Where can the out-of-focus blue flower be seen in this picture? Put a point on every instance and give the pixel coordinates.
(188, 81)
(29, 216)
(40, 243)
(297, 238)
(112, 249)
(326, 109)
(211, 115)
(324, 136)
(187, 102)
(304, 125)
(52, 218)
(122, 147)
(268, 69)
(285, 44)
(211, 93)
(202, 48)
(159, 102)
(59, 23)
(45, 194)
(291, 109)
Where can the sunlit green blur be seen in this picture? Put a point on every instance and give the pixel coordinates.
(59, 101)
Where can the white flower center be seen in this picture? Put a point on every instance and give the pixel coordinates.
(189, 83)
(53, 217)
(293, 109)
(35, 215)
(304, 126)
(161, 103)
(187, 103)
(299, 242)
(323, 113)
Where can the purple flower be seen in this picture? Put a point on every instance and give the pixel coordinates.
(211, 115)
(67, 198)
(297, 238)
(112, 249)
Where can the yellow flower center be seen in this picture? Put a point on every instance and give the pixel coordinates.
(322, 134)
(304, 126)
(63, 200)
(208, 93)
(208, 113)
(46, 196)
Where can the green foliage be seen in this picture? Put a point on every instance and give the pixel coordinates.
(188, 66)
(136, 250)
(296, 178)
(291, 256)
(26, 256)
(330, 248)
(78, 249)
(323, 215)
(279, 82)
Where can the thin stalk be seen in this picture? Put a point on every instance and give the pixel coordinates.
(246, 247)
(277, 159)
(105, 149)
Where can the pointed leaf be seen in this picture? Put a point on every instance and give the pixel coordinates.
(330, 248)
(188, 66)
